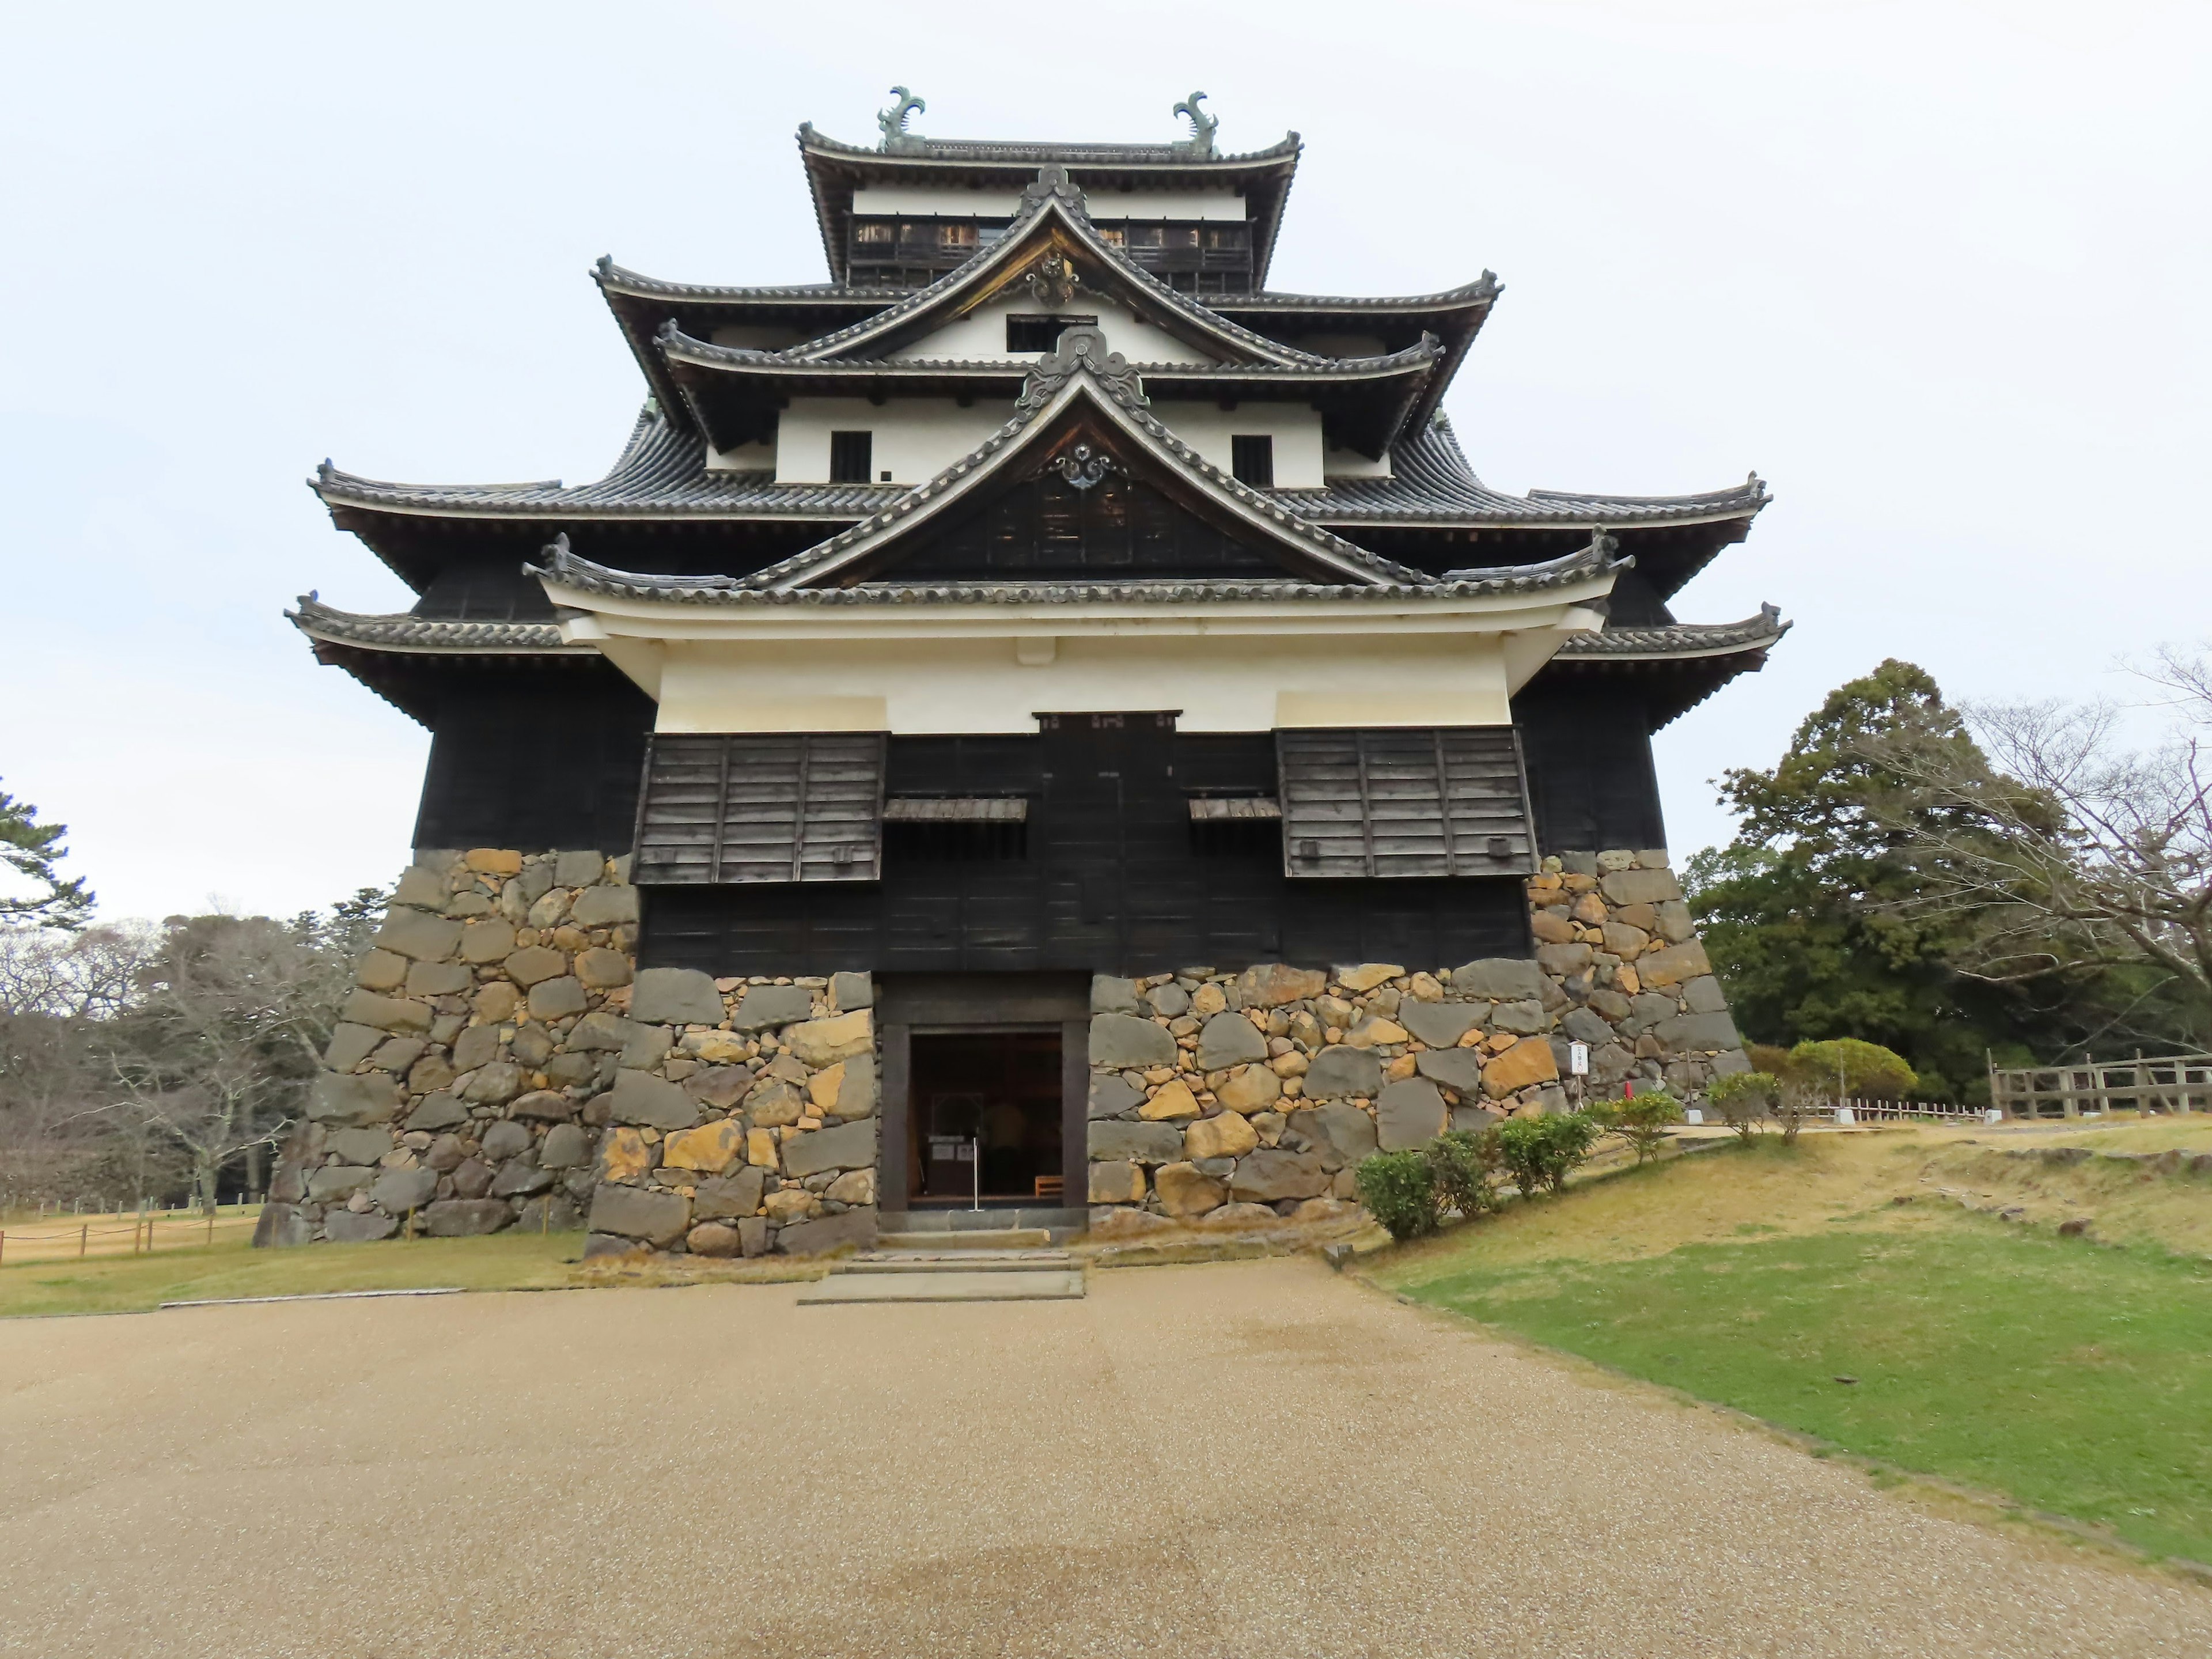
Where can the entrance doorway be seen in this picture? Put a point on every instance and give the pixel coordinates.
(985, 1126)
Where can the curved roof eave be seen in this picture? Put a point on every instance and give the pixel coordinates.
(428, 636)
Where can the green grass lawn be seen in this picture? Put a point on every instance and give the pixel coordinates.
(2072, 1378)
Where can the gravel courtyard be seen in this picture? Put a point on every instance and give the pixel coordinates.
(1246, 1459)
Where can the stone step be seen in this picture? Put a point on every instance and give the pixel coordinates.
(1000, 1238)
(933, 1261)
(997, 1218)
(1045, 1285)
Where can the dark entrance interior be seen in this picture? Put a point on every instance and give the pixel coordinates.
(993, 1093)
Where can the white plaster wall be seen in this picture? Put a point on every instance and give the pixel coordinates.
(745, 458)
(957, 202)
(759, 336)
(916, 438)
(1337, 463)
(981, 685)
(1207, 429)
(982, 332)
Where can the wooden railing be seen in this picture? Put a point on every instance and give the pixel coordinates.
(2174, 1083)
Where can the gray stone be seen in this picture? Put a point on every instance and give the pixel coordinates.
(493, 1085)
(1731, 1061)
(1617, 859)
(724, 1087)
(578, 868)
(1610, 1064)
(566, 1147)
(532, 1044)
(438, 1111)
(854, 1230)
(1170, 1000)
(1697, 1032)
(358, 1145)
(476, 1045)
(544, 1106)
(1408, 1114)
(609, 1033)
(609, 907)
(556, 999)
(1229, 1039)
(1439, 1025)
(1128, 1044)
(471, 1178)
(1578, 864)
(847, 1146)
(465, 1218)
(386, 1013)
(1650, 1006)
(767, 1007)
(640, 1097)
(1639, 886)
(344, 1227)
(417, 935)
(369, 1097)
(421, 887)
(1704, 995)
(1499, 979)
(1345, 1130)
(1676, 925)
(728, 1198)
(351, 1045)
(1474, 1119)
(647, 1047)
(1340, 1070)
(1652, 858)
(517, 1178)
(1111, 1095)
(659, 1218)
(674, 996)
(397, 1191)
(1266, 1177)
(504, 1138)
(598, 1244)
(857, 1096)
(537, 878)
(755, 1233)
(487, 941)
(566, 1071)
(1109, 995)
(336, 1182)
(1562, 960)
(1583, 1026)
(1459, 1070)
(555, 1212)
(281, 1226)
(1610, 1003)
(398, 1054)
(1521, 1019)
(446, 1154)
(533, 963)
(851, 991)
(438, 979)
(1135, 1143)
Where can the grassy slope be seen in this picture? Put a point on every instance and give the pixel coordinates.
(2074, 1378)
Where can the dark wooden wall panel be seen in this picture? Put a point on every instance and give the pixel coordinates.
(1590, 778)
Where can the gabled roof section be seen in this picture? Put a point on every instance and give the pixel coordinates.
(1673, 668)
(835, 170)
(1454, 317)
(329, 625)
(1050, 247)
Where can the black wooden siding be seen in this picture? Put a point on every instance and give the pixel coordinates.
(1117, 529)
(769, 807)
(1591, 782)
(1115, 877)
(1397, 803)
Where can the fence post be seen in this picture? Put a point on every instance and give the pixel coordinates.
(84, 1232)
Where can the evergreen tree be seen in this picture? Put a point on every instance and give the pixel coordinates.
(32, 849)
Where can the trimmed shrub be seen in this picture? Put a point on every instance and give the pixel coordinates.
(1640, 1120)
(1400, 1191)
(1746, 1100)
(1540, 1153)
(1462, 1164)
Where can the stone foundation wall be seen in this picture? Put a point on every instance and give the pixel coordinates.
(502, 1064)
(1232, 1097)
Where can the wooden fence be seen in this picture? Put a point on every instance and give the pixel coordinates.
(1844, 1113)
(2091, 1088)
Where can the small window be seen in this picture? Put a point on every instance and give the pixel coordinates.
(852, 457)
(1252, 459)
(1041, 333)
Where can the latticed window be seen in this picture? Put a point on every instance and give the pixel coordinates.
(852, 457)
(1252, 458)
(1447, 801)
(718, 809)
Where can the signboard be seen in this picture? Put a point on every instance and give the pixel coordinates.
(1578, 1059)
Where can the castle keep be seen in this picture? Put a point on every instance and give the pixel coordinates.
(1040, 721)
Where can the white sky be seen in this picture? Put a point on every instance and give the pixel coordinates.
(1934, 268)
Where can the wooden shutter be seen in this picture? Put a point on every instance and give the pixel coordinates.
(802, 807)
(1404, 801)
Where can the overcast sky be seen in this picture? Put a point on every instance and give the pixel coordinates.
(1935, 269)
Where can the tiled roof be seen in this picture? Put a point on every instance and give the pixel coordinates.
(1681, 639)
(615, 278)
(1483, 290)
(684, 347)
(991, 153)
(405, 633)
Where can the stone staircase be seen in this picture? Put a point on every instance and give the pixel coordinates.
(980, 1268)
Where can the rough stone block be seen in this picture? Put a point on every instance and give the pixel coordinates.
(853, 1186)
(476, 1045)
(398, 1055)
(1169, 1102)
(533, 963)
(358, 1145)
(1551, 928)
(601, 1032)
(565, 1147)
(1457, 1069)
(1696, 1033)
(493, 1085)
(1171, 1000)
(1527, 1061)
(370, 1098)
(845, 1090)
(545, 1105)
(1229, 1039)
(380, 971)
(1272, 984)
(658, 1218)
(712, 1238)
(1408, 1114)
(850, 991)
(854, 1230)
(1344, 1130)
(519, 1177)
(766, 1007)
(847, 1146)
(334, 1183)
(1439, 1025)
(505, 1139)
(1731, 1062)
(438, 979)
(1109, 995)
(1499, 979)
(438, 1111)
(464, 1218)
(1269, 1176)
(1583, 1026)
(1112, 1094)
(386, 1013)
(281, 1226)
(1338, 1072)
(1250, 1089)
(601, 969)
(711, 1147)
(825, 1042)
(1521, 1019)
(486, 940)
(1367, 975)
(1135, 1143)
(421, 887)
(639, 1098)
(718, 1086)
(580, 867)
(1186, 1192)
(556, 999)
(605, 907)
(1705, 996)
(351, 1044)
(674, 996)
(1226, 1134)
(344, 1227)
(397, 1191)
(1128, 1044)
(1674, 965)
(1117, 1183)
(729, 1198)
(417, 935)
(1639, 886)
(1564, 961)
(773, 1103)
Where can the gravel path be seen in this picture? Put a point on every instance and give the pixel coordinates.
(1248, 1459)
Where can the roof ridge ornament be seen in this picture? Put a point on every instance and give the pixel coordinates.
(1202, 127)
(1080, 348)
(897, 139)
(1052, 181)
(1051, 280)
(1082, 467)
